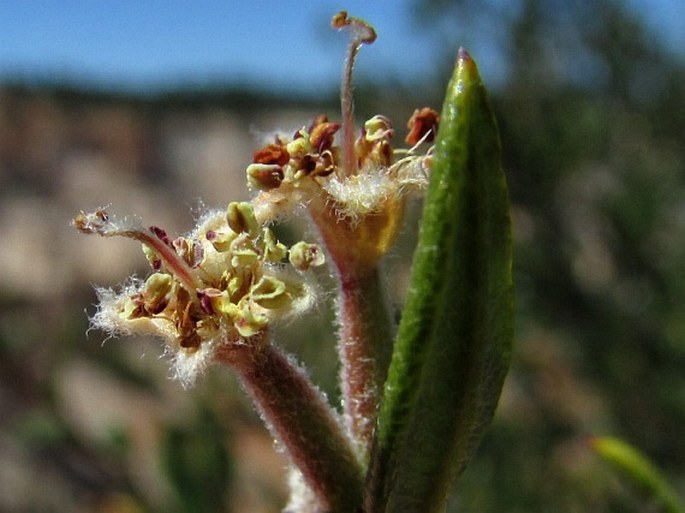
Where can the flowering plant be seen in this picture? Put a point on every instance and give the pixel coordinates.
(414, 404)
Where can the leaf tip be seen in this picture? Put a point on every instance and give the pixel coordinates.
(466, 65)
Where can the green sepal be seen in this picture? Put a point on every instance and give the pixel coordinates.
(454, 341)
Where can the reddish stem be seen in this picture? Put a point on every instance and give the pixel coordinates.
(171, 259)
(301, 419)
(365, 338)
(364, 349)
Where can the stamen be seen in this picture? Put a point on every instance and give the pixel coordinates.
(360, 33)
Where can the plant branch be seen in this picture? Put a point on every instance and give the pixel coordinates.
(364, 348)
(301, 419)
(365, 336)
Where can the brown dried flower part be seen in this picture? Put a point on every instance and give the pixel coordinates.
(266, 171)
(340, 20)
(187, 317)
(271, 154)
(326, 163)
(264, 176)
(423, 126)
(366, 32)
(321, 133)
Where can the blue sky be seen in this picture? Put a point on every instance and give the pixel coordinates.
(153, 43)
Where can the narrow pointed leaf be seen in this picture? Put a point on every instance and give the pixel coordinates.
(639, 471)
(453, 347)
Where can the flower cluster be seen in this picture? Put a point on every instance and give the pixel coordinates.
(310, 164)
(353, 190)
(230, 278)
(220, 285)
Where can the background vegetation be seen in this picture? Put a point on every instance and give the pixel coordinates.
(592, 120)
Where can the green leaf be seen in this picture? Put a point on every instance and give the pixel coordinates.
(639, 470)
(454, 342)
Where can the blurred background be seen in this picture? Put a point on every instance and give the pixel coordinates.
(155, 107)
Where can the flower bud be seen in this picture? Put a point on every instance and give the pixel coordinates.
(304, 255)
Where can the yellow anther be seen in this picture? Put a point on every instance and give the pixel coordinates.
(378, 127)
(241, 219)
(156, 292)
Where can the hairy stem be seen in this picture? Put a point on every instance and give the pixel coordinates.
(364, 349)
(300, 418)
(365, 336)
